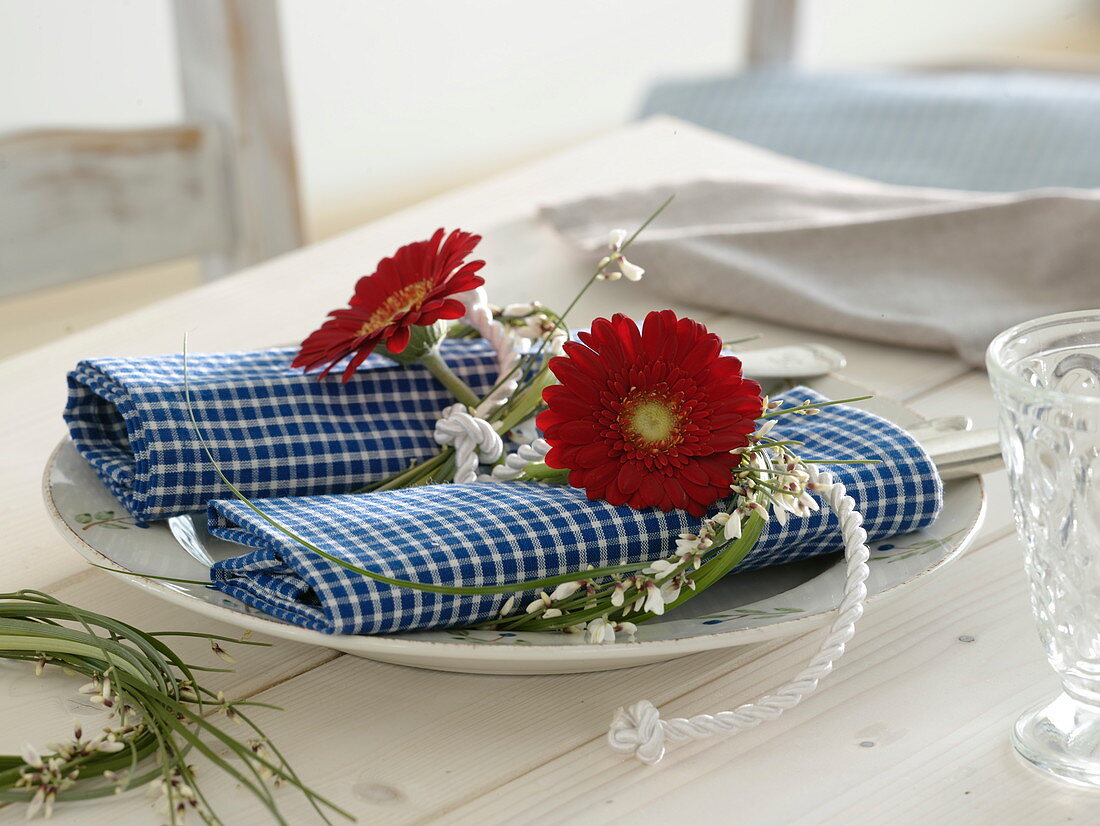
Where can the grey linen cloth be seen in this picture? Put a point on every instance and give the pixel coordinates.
(933, 268)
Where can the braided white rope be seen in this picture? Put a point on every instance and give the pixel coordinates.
(640, 730)
(504, 342)
(516, 463)
(474, 440)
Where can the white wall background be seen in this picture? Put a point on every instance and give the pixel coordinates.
(396, 100)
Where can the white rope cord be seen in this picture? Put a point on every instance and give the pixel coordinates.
(640, 730)
(516, 463)
(504, 342)
(474, 439)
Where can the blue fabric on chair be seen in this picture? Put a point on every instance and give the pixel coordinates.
(274, 430)
(1002, 131)
(490, 533)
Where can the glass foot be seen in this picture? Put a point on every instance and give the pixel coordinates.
(1063, 739)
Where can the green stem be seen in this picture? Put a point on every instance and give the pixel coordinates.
(524, 404)
(814, 405)
(459, 389)
(540, 472)
(407, 477)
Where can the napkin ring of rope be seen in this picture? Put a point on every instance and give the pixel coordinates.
(639, 729)
(474, 439)
(505, 345)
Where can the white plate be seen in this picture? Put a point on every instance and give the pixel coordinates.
(747, 608)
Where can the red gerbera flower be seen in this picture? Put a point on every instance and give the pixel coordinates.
(648, 417)
(412, 288)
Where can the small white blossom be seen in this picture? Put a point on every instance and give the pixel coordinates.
(765, 429)
(733, 525)
(31, 756)
(221, 653)
(617, 594)
(47, 778)
(557, 343)
(654, 600)
(599, 631)
(508, 605)
(660, 569)
(628, 628)
(670, 590)
(631, 272)
(689, 544)
(37, 802)
(259, 748)
(758, 509)
(174, 796)
(540, 604)
(100, 691)
(566, 589)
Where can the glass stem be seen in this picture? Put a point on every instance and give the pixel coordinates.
(459, 389)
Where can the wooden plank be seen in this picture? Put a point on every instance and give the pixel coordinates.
(82, 202)
(231, 71)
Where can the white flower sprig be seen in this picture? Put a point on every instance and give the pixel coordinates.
(154, 714)
(627, 270)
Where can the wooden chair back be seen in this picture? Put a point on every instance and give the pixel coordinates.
(222, 185)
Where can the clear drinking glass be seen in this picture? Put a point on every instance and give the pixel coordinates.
(1046, 376)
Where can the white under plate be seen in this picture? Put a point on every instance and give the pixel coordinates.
(746, 608)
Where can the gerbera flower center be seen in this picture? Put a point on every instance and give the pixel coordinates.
(651, 421)
(396, 304)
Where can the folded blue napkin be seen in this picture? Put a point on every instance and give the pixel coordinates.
(274, 430)
(495, 532)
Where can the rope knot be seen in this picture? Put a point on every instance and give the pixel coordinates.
(473, 438)
(638, 730)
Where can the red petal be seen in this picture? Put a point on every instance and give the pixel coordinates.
(651, 489)
(592, 455)
(356, 360)
(630, 477)
(451, 309)
(399, 340)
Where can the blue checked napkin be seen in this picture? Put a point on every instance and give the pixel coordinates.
(494, 532)
(274, 430)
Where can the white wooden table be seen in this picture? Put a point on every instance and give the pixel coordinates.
(912, 728)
